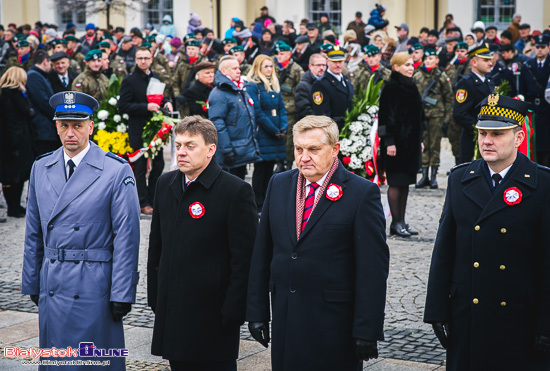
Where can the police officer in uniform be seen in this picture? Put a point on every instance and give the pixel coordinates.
(470, 91)
(489, 279)
(332, 94)
(82, 236)
(92, 81)
(533, 80)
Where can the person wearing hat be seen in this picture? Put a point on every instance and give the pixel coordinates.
(112, 64)
(370, 67)
(92, 81)
(60, 46)
(447, 54)
(402, 37)
(470, 91)
(532, 84)
(149, 29)
(61, 76)
(238, 52)
(302, 52)
(289, 74)
(524, 36)
(314, 37)
(167, 27)
(479, 31)
(89, 40)
(513, 29)
(376, 17)
(23, 58)
(491, 35)
(325, 24)
(188, 56)
(227, 44)
(417, 53)
(264, 16)
(437, 100)
(266, 42)
(118, 34)
(137, 38)
(82, 236)
(73, 49)
(199, 90)
(358, 26)
(501, 75)
(489, 279)
(160, 65)
(332, 94)
(127, 50)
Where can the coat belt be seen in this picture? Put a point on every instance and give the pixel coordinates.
(93, 255)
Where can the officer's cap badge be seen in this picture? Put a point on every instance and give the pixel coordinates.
(68, 98)
(492, 99)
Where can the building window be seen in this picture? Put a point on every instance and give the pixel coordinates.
(76, 17)
(498, 13)
(332, 7)
(157, 9)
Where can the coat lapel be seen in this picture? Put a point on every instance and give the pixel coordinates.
(476, 187)
(85, 175)
(55, 171)
(176, 185)
(290, 194)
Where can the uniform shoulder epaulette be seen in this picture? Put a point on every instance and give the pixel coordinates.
(44, 155)
(459, 166)
(467, 77)
(113, 156)
(542, 167)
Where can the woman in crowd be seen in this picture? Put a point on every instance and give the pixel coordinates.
(16, 138)
(263, 87)
(400, 132)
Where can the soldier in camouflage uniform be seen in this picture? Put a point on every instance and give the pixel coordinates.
(114, 63)
(23, 58)
(189, 56)
(456, 70)
(92, 81)
(73, 51)
(227, 44)
(435, 89)
(238, 52)
(289, 74)
(417, 52)
(370, 67)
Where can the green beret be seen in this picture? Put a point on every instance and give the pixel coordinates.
(462, 45)
(326, 48)
(59, 41)
(371, 50)
(94, 54)
(414, 47)
(281, 47)
(189, 36)
(151, 39)
(71, 38)
(146, 45)
(22, 43)
(107, 36)
(193, 43)
(429, 51)
(21, 36)
(230, 40)
(104, 44)
(236, 49)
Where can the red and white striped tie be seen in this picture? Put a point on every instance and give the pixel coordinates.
(308, 205)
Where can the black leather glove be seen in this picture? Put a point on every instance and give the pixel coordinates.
(229, 157)
(260, 332)
(34, 299)
(230, 323)
(441, 330)
(542, 343)
(119, 310)
(366, 349)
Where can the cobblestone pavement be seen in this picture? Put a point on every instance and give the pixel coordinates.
(407, 337)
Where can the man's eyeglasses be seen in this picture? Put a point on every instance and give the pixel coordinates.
(319, 65)
(143, 59)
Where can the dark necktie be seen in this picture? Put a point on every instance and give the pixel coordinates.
(308, 205)
(497, 178)
(540, 64)
(64, 79)
(71, 168)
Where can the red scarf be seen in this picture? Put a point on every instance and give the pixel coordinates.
(90, 39)
(429, 68)
(463, 60)
(193, 59)
(284, 64)
(374, 68)
(417, 64)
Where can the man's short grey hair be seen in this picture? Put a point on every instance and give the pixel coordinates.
(224, 61)
(316, 55)
(324, 123)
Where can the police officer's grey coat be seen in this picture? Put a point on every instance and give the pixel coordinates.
(81, 249)
(490, 271)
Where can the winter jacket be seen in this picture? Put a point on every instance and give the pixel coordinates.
(302, 96)
(40, 91)
(270, 114)
(167, 29)
(376, 20)
(232, 112)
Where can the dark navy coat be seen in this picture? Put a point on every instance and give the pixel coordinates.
(40, 91)
(270, 115)
(328, 287)
(331, 98)
(232, 112)
(490, 270)
(470, 91)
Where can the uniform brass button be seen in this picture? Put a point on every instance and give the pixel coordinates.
(292, 290)
(503, 304)
(477, 228)
(503, 230)
(502, 267)
(475, 301)
(476, 265)
(294, 256)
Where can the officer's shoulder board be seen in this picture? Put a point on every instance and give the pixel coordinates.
(459, 166)
(542, 167)
(44, 155)
(115, 157)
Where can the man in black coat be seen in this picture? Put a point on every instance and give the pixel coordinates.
(200, 90)
(202, 236)
(321, 256)
(302, 95)
(60, 76)
(133, 101)
(333, 93)
(488, 290)
(470, 91)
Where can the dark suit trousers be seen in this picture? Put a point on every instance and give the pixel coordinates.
(146, 187)
(263, 171)
(203, 366)
(467, 146)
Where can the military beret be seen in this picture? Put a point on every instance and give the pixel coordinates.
(151, 39)
(126, 39)
(302, 39)
(204, 65)
(94, 54)
(72, 105)
(501, 112)
(281, 47)
(71, 38)
(107, 36)
(59, 41)
(461, 45)
(311, 26)
(146, 45)
(336, 54)
(229, 40)
(104, 44)
(429, 51)
(21, 36)
(193, 43)
(59, 55)
(22, 43)
(325, 48)
(235, 49)
(481, 51)
(414, 47)
(190, 35)
(371, 50)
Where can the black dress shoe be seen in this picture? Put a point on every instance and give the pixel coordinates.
(17, 213)
(399, 229)
(411, 230)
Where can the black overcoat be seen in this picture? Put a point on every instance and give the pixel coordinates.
(198, 92)
(17, 140)
(331, 98)
(400, 124)
(490, 270)
(57, 85)
(328, 287)
(197, 270)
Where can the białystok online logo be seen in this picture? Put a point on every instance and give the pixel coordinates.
(86, 349)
